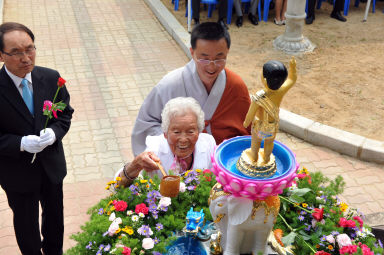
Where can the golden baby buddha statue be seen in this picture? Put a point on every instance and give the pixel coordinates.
(264, 115)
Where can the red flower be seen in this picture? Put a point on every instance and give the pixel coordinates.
(141, 208)
(61, 82)
(302, 176)
(206, 171)
(126, 251)
(120, 206)
(322, 253)
(348, 249)
(318, 214)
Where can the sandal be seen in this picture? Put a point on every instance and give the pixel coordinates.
(277, 22)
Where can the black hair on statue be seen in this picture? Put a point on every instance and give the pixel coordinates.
(275, 73)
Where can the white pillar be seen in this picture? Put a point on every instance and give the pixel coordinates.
(293, 41)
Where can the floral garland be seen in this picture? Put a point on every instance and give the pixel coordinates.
(317, 222)
(138, 220)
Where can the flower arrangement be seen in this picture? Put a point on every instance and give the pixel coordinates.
(138, 220)
(50, 108)
(315, 221)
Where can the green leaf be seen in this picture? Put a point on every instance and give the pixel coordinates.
(296, 199)
(289, 239)
(304, 235)
(301, 192)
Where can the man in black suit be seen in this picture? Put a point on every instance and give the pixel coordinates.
(336, 12)
(21, 135)
(223, 7)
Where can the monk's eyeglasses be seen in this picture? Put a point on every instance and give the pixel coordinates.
(218, 62)
(29, 52)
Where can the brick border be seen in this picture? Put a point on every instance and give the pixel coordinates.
(314, 132)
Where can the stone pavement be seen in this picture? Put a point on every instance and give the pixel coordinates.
(112, 52)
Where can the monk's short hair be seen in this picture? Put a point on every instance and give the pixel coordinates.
(13, 26)
(211, 31)
(179, 106)
(275, 73)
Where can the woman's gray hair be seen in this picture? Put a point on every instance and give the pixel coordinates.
(180, 106)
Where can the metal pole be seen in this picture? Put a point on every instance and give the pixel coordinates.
(189, 15)
(367, 10)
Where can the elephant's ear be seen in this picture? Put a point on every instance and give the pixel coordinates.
(239, 208)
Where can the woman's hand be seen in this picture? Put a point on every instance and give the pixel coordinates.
(146, 160)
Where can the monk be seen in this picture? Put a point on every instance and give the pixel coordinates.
(264, 110)
(221, 93)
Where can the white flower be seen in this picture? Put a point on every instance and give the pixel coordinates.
(364, 232)
(129, 212)
(314, 223)
(118, 220)
(320, 200)
(113, 228)
(141, 215)
(112, 217)
(330, 239)
(182, 187)
(148, 243)
(135, 218)
(213, 237)
(164, 202)
(343, 240)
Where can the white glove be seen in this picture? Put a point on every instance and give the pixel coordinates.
(30, 144)
(47, 138)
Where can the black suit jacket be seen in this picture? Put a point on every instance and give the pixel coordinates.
(16, 171)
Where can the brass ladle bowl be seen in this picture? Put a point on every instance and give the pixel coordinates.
(170, 184)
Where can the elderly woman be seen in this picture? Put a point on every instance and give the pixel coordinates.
(182, 146)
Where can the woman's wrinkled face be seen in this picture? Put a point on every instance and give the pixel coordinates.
(182, 134)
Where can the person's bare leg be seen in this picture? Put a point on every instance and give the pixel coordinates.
(278, 6)
(284, 9)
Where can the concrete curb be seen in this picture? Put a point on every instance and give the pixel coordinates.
(314, 132)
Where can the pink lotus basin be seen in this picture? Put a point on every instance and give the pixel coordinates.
(233, 181)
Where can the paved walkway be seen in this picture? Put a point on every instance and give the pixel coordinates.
(113, 52)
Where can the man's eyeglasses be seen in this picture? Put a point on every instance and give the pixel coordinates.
(29, 52)
(218, 62)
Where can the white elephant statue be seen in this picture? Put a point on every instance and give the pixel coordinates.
(244, 226)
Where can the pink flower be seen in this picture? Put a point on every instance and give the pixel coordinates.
(347, 223)
(120, 206)
(148, 243)
(366, 250)
(330, 239)
(343, 240)
(359, 220)
(126, 251)
(47, 105)
(349, 249)
(141, 208)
